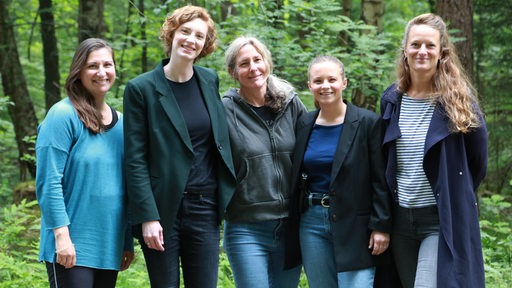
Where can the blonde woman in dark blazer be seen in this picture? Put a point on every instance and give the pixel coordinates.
(178, 157)
(340, 219)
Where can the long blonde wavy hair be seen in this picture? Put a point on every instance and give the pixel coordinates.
(451, 85)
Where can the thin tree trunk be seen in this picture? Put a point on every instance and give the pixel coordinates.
(346, 8)
(143, 37)
(50, 54)
(372, 12)
(90, 19)
(458, 14)
(22, 112)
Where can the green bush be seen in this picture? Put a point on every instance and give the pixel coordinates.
(19, 227)
(496, 240)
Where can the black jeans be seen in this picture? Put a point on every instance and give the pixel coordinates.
(194, 240)
(80, 277)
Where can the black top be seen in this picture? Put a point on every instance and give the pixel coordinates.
(192, 106)
(114, 119)
(265, 113)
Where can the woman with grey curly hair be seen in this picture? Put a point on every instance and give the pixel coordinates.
(262, 114)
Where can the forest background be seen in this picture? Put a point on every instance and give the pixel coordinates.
(38, 39)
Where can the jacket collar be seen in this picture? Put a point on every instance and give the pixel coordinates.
(438, 128)
(350, 127)
(170, 105)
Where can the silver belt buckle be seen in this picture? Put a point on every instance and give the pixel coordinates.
(324, 200)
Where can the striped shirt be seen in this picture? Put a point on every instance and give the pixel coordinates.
(414, 190)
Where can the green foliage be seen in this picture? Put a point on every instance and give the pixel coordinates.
(492, 70)
(136, 275)
(496, 232)
(29, 157)
(295, 32)
(19, 227)
(8, 153)
(301, 31)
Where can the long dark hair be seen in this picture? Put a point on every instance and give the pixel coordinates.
(82, 99)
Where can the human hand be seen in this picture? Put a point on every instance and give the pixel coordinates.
(379, 242)
(153, 235)
(127, 259)
(64, 248)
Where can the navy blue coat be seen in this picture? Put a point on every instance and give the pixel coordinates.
(455, 164)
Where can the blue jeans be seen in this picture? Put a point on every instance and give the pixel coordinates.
(256, 255)
(195, 240)
(318, 258)
(414, 245)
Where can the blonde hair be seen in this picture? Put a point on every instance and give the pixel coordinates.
(322, 59)
(278, 90)
(183, 15)
(451, 85)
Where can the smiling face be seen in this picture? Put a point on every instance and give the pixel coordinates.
(98, 73)
(327, 82)
(423, 49)
(250, 68)
(189, 39)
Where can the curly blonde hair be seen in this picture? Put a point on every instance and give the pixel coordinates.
(451, 85)
(183, 15)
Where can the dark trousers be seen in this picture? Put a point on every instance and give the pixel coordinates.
(80, 277)
(194, 240)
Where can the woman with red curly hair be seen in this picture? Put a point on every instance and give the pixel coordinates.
(178, 157)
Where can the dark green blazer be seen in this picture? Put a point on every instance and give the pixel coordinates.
(158, 150)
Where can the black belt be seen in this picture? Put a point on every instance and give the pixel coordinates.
(191, 194)
(318, 199)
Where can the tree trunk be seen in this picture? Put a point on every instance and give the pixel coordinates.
(458, 14)
(143, 37)
(50, 54)
(90, 19)
(372, 12)
(346, 8)
(22, 112)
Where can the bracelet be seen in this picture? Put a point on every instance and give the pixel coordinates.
(64, 248)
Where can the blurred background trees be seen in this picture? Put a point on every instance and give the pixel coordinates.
(38, 39)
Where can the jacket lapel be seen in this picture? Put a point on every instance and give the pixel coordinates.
(304, 128)
(170, 106)
(390, 114)
(350, 126)
(210, 96)
(438, 128)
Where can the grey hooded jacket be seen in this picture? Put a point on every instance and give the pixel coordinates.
(262, 157)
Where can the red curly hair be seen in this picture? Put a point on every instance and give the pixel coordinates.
(182, 15)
